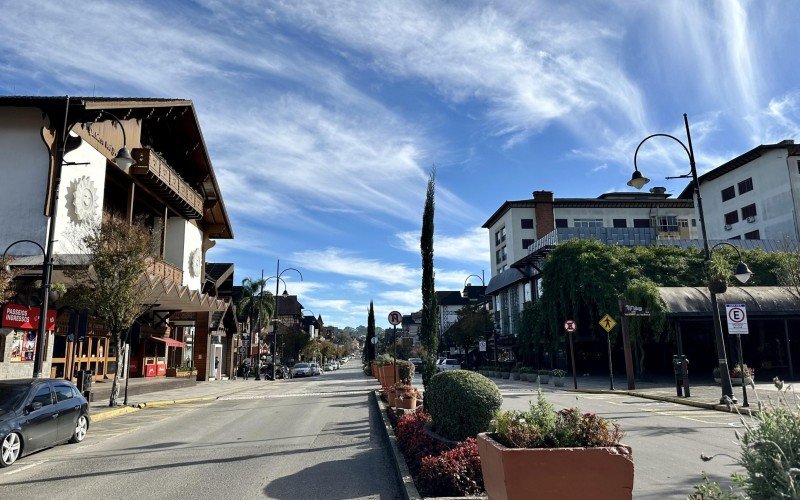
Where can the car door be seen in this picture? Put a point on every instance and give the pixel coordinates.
(68, 407)
(40, 426)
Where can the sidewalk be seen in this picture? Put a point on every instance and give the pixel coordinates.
(201, 391)
(704, 394)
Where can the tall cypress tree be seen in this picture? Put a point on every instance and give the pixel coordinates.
(428, 335)
(370, 333)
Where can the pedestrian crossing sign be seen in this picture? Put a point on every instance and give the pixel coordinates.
(608, 323)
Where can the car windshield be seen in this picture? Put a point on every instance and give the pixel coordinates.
(301, 365)
(11, 396)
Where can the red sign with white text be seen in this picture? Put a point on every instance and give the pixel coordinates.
(26, 318)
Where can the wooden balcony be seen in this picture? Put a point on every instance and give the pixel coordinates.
(151, 169)
(165, 271)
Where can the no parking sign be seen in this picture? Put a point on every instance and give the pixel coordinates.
(737, 319)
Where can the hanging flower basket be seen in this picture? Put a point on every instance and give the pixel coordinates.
(718, 286)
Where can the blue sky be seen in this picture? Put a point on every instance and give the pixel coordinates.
(323, 118)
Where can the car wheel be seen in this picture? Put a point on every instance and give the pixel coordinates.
(10, 449)
(79, 434)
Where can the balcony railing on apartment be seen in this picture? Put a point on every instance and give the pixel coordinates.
(165, 271)
(627, 236)
(160, 177)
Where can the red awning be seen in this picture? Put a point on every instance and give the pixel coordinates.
(169, 342)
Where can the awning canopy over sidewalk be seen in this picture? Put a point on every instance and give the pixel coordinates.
(761, 301)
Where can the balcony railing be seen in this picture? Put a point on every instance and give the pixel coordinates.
(159, 176)
(165, 271)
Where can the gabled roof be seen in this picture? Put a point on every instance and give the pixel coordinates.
(171, 125)
(743, 159)
(450, 298)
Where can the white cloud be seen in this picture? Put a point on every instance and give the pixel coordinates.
(472, 246)
(346, 263)
(357, 286)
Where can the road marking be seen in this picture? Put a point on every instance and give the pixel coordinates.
(241, 397)
(19, 469)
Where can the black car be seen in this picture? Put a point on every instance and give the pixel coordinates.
(37, 414)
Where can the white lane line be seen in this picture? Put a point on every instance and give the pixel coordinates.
(19, 469)
(236, 397)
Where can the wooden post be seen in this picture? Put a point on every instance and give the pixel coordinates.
(626, 344)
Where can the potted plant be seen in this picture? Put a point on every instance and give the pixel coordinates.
(718, 272)
(544, 376)
(558, 377)
(523, 374)
(406, 397)
(506, 373)
(515, 374)
(541, 453)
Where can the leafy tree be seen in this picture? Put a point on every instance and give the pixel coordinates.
(428, 327)
(6, 281)
(113, 285)
(252, 303)
(471, 325)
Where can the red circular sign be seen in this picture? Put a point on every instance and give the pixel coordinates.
(570, 326)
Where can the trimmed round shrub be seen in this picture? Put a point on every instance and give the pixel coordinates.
(461, 403)
(405, 371)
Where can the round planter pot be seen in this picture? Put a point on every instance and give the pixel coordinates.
(597, 473)
(406, 403)
(558, 381)
(392, 400)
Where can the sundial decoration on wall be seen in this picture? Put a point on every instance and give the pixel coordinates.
(82, 200)
(195, 262)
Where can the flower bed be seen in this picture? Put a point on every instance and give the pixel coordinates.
(437, 470)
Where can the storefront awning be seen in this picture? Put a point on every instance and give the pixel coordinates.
(776, 301)
(170, 342)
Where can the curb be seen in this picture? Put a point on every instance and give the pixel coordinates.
(404, 479)
(112, 413)
(169, 402)
(669, 399)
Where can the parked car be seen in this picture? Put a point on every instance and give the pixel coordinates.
(315, 369)
(328, 367)
(417, 362)
(336, 365)
(448, 364)
(37, 414)
(439, 364)
(301, 370)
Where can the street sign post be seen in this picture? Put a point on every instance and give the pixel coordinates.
(736, 314)
(608, 323)
(481, 346)
(395, 318)
(571, 327)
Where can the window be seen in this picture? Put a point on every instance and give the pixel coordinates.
(728, 193)
(620, 223)
(666, 223)
(526, 243)
(588, 222)
(500, 236)
(562, 223)
(694, 222)
(63, 392)
(732, 218)
(683, 223)
(735, 238)
(527, 223)
(752, 235)
(498, 256)
(641, 222)
(746, 185)
(43, 396)
(504, 253)
(749, 211)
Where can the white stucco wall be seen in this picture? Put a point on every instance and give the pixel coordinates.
(24, 162)
(776, 187)
(76, 179)
(184, 239)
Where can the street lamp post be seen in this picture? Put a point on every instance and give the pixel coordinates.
(638, 181)
(278, 279)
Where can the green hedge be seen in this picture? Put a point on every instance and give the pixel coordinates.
(461, 403)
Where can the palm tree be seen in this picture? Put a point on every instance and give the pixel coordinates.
(252, 303)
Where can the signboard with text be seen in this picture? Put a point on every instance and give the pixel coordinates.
(736, 315)
(25, 318)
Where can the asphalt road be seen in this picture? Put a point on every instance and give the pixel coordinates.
(667, 439)
(295, 439)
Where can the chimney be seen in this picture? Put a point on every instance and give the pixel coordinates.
(658, 190)
(543, 211)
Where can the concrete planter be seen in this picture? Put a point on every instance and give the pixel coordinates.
(555, 473)
(558, 381)
(544, 379)
(515, 375)
(506, 375)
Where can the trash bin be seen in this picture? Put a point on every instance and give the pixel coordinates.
(84, 383)
(680, 365)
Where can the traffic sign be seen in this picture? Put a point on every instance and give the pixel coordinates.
(395, 318)
(570, 326)
(242, 350)
(481, 346)
(608, 323)
(737, 319)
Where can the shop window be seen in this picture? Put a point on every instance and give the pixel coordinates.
(527, 223)
(728, 193)
(732, 218)
(620, 223)
(745, 186)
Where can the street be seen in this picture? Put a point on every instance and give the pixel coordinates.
(302, 438)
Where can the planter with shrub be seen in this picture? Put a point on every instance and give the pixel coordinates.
(515, 374)
(461, 403)
(736, 375)
(558, 377)
(544, 376)
(406, 396)
(541, 453)
(506, 374)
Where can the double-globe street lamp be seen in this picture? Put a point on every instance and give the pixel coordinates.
(638, 181)
(278, 278)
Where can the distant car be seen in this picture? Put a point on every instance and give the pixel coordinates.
(336, 365)
(439, 364)
(315, 369)
(39, 413)
(301, 370)
(328, 367)
(417, 362)
(448, 364)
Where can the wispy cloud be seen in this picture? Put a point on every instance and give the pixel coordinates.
(472, 246)
(347, 263)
